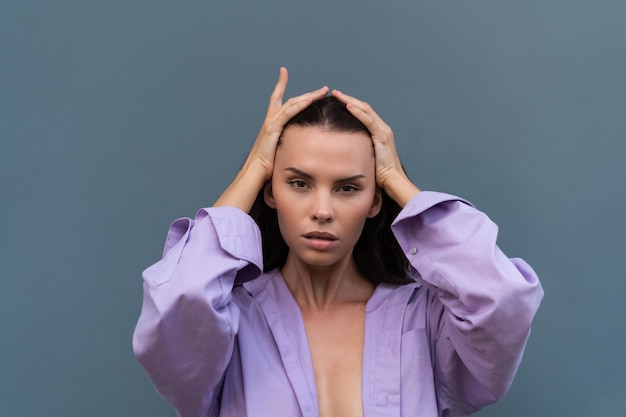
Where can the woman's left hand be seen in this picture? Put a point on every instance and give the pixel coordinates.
(390, 175)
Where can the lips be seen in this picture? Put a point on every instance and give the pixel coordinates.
(320, 241)
(320, 236)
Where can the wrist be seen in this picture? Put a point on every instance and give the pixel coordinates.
(254, 172)
(242, 192)
(400, 189)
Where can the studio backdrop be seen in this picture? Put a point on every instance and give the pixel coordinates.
(117, 117)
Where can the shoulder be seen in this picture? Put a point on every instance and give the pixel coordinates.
(268, 283)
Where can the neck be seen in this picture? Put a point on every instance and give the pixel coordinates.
(321, 287)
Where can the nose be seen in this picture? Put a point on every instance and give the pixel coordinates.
(322, 210)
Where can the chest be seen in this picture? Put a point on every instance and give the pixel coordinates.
(335, 340)
(303, 356)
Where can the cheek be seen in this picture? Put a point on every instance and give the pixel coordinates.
(361, 206)
(354, 215)
(357, 223)
(288, 217)
(285, 206)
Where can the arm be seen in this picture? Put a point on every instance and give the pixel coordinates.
(480, 319)
(485, 302)
(185, 333)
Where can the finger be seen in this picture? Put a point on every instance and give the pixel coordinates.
(366, 118)
(364, 113)
(295, 105)
(347, 99)
(361, 110)
(276, 98)
(310, 96)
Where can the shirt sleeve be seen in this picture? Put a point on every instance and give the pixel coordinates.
(185, 334)
(481, 304)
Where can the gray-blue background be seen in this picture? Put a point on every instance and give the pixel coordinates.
(118, 116)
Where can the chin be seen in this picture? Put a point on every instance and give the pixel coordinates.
(318, 259)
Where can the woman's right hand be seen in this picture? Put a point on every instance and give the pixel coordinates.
(278, 114)
(259, 164)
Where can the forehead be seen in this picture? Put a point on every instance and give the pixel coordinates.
(315, 147)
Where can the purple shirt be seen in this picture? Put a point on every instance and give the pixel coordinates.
(446, 345)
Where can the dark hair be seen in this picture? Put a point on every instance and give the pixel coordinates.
(377, 254)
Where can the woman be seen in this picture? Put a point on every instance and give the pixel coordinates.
(345, 320)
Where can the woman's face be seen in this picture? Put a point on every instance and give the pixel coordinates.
(323, 189)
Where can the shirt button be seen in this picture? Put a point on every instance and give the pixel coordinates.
(413, 251)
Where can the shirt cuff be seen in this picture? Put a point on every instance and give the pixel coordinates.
(423, 201)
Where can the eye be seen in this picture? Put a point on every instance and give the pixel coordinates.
(348, 188)
(297, 183)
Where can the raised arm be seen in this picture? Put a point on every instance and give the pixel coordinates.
(185, 334)
(483, 302)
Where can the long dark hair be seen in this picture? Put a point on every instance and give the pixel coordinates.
(377, 255)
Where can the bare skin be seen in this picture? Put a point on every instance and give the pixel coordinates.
(335, 337)
(324, 281)
(324, 182)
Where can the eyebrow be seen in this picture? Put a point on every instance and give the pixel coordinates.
(310, 177)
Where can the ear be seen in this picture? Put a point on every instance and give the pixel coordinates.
(268, 195)
(377, 203)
